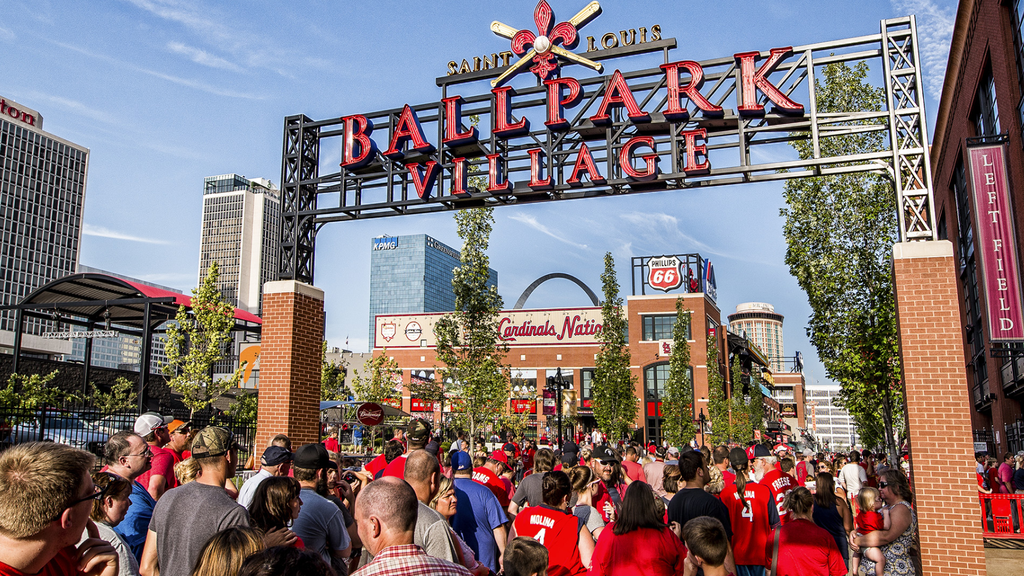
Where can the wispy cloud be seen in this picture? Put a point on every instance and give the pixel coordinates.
(196, 84)
(934, 31)
(77, 108)
(203, 57)
(101, 232)
(533, 223)
(667, 227)
(7, 35)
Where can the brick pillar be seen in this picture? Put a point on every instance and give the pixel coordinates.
(293, 332)
(938, 409)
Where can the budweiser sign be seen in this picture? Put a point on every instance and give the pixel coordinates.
(996, 243)
(370, 414)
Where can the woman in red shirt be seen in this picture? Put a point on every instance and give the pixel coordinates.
(804, 549)
(638, 542)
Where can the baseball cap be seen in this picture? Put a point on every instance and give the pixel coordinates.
(509, 447)
(605, 454)
(175, 424)
(433, 447)
(780, 448)
(761, 451)
(312, 457)
(461, 461)
(150, 421)
(500, 457)
(673, 451)
(275, 455)
(418, 429)
(212, 441)
(569, 459)
(808, 452)
(652, 449)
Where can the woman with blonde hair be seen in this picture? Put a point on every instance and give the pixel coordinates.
(585, 484)
(224, 553)
(444, 502)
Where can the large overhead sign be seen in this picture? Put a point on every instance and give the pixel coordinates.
(558, 118)
(558, 326)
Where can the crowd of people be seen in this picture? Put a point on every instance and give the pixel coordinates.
(164, 503)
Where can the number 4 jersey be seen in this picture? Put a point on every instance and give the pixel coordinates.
(559, 532)
(751, 525)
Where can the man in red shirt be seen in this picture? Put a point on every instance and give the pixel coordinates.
(42, 538)
(775, 479)
(160, 476)
(633, 470)
(488, 474)
(805, 468)
(179, 432)
(570, 546)
(418, 433)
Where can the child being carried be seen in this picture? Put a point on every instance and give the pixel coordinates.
(872, 516)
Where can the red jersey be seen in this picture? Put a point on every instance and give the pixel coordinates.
(559, 532)
(750, 525)
(162, 464)
(634, 471)
(869, 521)
(780, 484)
(64, 563)
(728, 477)
(804, 549)
(376, 465)
(396, 467)
(528, 458)
(801, 473)
(483, 475)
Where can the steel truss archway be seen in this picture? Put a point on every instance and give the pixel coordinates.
(385, 186)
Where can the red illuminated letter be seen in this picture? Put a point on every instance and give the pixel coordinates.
(536, 166)
(495, 175)
(453, 123)
(556, 102)
(758, 80)
(423, 181)
(357, 131)
(505, 125)
(618, 94)
(585, 163)
(459, 178)
(408, 129)
(691, 90)
(650, 160)
(692, 149)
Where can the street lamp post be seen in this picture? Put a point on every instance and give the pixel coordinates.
(558, 384)
(702, 419)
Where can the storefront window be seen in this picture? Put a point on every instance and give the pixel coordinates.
(660, 327)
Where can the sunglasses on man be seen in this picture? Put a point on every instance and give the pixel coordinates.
(97, 494)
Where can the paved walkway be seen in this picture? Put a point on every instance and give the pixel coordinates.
(1004, 557)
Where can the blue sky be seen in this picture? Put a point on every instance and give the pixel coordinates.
(167, 92)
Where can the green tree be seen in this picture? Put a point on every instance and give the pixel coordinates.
(614, 387)
(377, 380)
(332, 377)
(245, 408)
(742, 430)
(718, 404)
(34, 391)
(839, 233)
(196, 341)
(755, 407)
(121, 397)
(677, 403)
(468, 341)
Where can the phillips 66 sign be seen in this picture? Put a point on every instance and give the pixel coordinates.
(664, 273)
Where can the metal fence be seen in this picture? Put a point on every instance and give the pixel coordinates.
(88, 429)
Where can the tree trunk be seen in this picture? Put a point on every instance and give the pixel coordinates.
(890, 442)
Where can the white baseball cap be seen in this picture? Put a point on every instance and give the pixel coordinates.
(151, 421)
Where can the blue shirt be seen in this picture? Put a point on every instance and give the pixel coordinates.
(477, 514)
(135, 526)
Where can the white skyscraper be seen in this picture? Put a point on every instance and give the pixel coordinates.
(763, 326)
(241, 231)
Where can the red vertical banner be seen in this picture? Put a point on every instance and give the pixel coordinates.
(996, 242)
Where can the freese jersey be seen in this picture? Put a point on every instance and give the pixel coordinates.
(559, 532)
(780, 484)
(750, 525)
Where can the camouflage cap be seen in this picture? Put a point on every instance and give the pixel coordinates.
(213, 441)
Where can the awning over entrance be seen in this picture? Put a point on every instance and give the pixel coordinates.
(100, 301)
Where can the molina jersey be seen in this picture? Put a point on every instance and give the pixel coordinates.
(780, 484)
(751, 525)
(559, 532)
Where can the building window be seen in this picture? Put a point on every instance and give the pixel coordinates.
(660, 327)
(986, 109)
(1018, 42)
(586, 382)
(655, 377)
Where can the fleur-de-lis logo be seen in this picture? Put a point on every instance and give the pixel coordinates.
(542, 48)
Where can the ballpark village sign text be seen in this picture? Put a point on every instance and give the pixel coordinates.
(534, 130)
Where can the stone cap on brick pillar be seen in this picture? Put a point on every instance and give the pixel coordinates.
(929, 249)
(292, 287)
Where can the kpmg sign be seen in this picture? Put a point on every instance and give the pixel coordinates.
(385, 243)
(996, 243)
